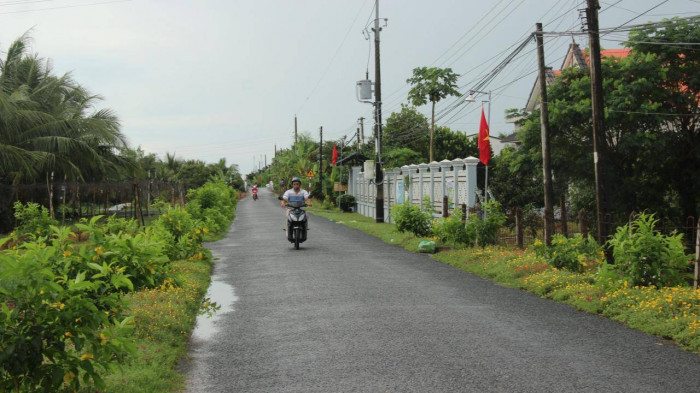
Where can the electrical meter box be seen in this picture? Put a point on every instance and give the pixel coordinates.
(369, 170)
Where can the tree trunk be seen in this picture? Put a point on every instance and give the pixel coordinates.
(564, 219)
(432, 132)
(49, 186)
(63, 212)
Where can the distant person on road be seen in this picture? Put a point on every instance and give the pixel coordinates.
(295, 193)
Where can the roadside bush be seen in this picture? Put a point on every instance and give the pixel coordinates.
(647, 257)
(32, 218)
(346, 202)
(411, 218)
(574, 254)
(116, 225)
(484, 232)
(56, 334)
(214, 204)
(452, 230)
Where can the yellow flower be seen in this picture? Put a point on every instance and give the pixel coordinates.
(99, 250)
(66, 254)
(68, 377)
(87, 356)
(69, 334)
(197, 231)
(58, 305)
(206, 230)
(152, 271)
(103, 339)
(95, 258)
(165, 214)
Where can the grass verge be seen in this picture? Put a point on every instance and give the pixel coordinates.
(163, 320)
(672, 313)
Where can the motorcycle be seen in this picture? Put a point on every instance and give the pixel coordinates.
(255, 194)
(297, 222)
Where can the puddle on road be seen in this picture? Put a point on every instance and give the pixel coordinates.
(224, 296)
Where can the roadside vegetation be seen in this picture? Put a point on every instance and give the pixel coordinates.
(647, 288)
(105, 305)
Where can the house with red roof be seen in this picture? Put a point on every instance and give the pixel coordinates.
(575, 57)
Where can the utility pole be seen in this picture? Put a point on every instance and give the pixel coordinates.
(362, 130)
(295, 133)
(320, 160)
(379, 176)
(357, 137)
(544, 132)
(599, 144)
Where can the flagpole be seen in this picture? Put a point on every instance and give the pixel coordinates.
(486, 178)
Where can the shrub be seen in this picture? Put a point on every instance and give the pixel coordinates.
(56, 332)
(452, 229)
(32, 218)
(647, 257)
(346, 202)
(116, 225)
(411, 218)
(574, 254)
(485, 231)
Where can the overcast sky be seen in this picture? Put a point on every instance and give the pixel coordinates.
(224, 78)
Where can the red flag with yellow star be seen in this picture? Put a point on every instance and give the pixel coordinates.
(484, 142)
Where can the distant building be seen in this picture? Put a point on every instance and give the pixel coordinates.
(498, 143)
(575, 57)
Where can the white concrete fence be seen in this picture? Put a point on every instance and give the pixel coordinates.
(456, 179)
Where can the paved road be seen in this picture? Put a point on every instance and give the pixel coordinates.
(348, 313)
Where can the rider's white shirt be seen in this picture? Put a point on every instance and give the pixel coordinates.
(291, 192)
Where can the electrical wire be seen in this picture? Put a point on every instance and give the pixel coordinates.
(64, 7)
(330, 63)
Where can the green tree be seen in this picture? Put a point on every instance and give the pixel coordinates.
(651, 128)
(431, 84)
(406, 128)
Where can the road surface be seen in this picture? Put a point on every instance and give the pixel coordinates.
(349, 313)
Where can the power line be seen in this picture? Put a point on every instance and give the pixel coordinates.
(332, 58)
(62, 7)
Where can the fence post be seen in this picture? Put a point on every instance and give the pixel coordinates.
(519, 227)
(582, 222)
(697, 256)
(445, 206)
(464, 212)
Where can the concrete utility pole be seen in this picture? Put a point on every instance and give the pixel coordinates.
(362, 130)
(544, 132)
(599, 144)
(320, 160)
(295, 133)
(379, 175)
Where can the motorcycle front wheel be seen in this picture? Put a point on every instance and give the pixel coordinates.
(297, 235)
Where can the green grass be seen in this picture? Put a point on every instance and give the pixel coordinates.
(164, 319)
(672, 313)
(385, 231)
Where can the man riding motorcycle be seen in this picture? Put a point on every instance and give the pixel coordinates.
(255, 192)
(296, 191)
(297, 222)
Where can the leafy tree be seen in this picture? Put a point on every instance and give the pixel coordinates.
(432, 84)
(453, 144)
(678, 95)
(406, 129)
(399, 157)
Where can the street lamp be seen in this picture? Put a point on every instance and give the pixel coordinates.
(470, 98)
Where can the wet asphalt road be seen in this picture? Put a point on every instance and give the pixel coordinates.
(348, 313)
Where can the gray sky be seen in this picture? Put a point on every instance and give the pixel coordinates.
(211, 78)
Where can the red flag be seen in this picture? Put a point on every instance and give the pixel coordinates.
(484, 142)
(334, 156)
